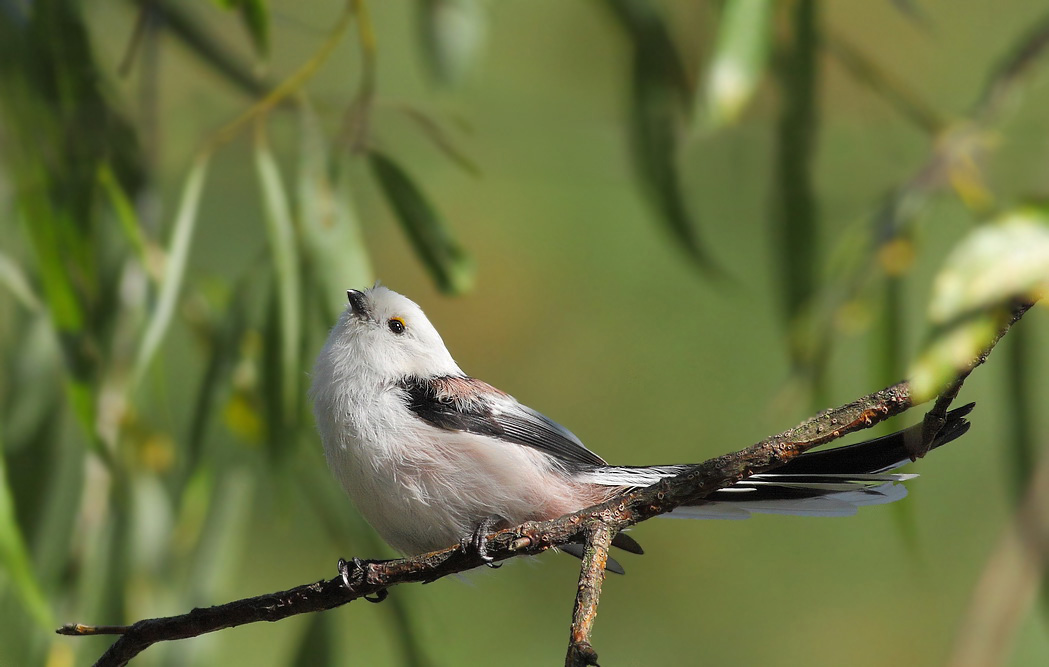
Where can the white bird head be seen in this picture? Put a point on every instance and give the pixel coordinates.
(384, 336)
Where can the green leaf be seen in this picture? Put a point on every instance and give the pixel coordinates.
(453, 33)
(213, 532)
(330, 230)
(14, 279)
(59, 474)
(652, 42)
(1005, 260)
(740, 57)
(125, 212)
(182, 22)
(43, 224)
(35, 371)
(256, 19)
(225, 340)
(992, 267)
(655, 135)
(449, 265)
(106, 554)
(281, 234)
(14, 557)
(660, 99)
(59, 127)
(175, 267)
(267, 397)
(794, 216)
(951, 350)
(219, 552)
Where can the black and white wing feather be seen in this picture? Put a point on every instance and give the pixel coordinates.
(458, 403)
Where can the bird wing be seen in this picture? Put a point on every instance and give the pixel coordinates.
(465, 404)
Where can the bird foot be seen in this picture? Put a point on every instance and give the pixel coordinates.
(345, 569)
(477, 544)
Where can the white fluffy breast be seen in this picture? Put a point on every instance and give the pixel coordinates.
(424, 489)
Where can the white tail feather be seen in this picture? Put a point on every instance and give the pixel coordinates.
(835, 494)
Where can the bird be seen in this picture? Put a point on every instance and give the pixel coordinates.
(433, 457)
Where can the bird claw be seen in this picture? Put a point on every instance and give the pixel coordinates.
(362, 567)
(477, 544)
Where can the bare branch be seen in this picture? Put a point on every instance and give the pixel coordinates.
(598, 537)
(595, 526)
(937, 416)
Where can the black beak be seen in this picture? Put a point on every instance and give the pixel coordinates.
(358, 306)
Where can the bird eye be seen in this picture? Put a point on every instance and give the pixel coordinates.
(396, 325)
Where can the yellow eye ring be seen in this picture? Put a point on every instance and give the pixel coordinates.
(396, 325)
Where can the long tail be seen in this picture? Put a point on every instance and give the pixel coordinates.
(834, 482)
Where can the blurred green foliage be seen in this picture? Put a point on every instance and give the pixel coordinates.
(188, 188)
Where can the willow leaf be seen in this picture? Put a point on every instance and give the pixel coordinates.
(175, 267)
(281, 234)
(449, 265)
(15, 561)
(740, 58)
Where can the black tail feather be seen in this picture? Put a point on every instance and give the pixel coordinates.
(875, 455)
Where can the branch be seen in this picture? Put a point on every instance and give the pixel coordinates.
(595, 525)
(598, 538)
(937, 416)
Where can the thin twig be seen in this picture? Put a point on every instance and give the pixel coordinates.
(599, 523)
(937, 416)
(1008, 76)
(78, 630)
(598, 538)
(901, 97)
(440, 139)
(288, 87)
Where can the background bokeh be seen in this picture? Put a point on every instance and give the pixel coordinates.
(865, 147)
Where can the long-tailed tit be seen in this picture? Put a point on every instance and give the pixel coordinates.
(430, 455)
